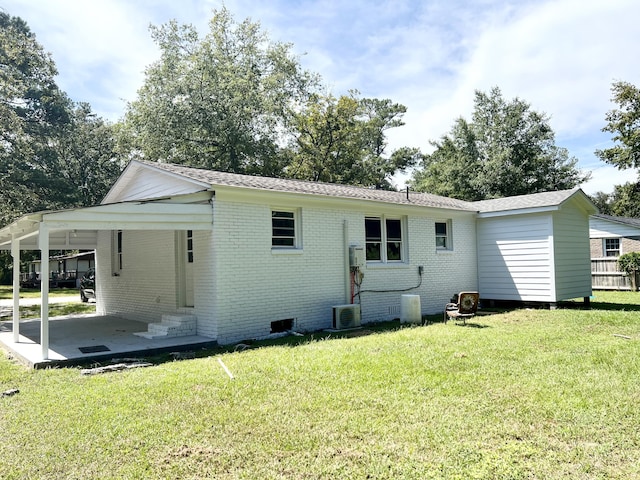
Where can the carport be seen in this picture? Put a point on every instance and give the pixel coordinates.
(78, 229)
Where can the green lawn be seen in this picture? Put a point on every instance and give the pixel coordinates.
(6, 292)
(526, 394)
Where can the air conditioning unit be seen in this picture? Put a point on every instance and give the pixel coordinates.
(346, 316)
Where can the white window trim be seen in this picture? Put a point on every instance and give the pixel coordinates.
(117, 240)
(449, 237)
(383, 248)
(604, 247)
(297, 231)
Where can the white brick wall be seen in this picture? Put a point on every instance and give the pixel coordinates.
(261, 286)
(145, 288)
(445, 273)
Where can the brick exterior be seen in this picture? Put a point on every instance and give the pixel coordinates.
(241, 285)
(262, 286)
(627, 244)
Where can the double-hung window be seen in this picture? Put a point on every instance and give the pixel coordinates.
(284, 229)
(611, 247)
(443, 235)
(384, 239)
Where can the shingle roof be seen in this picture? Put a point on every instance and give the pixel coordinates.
(313, 188)
(213, 178)
(534, 200)
(634, 222)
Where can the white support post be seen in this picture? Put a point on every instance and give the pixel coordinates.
(44, 290)
(15, 253)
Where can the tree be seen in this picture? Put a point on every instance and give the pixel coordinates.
(33, 112)
(624, 124)
(89, 160)
(222, 102)
(53, 154)
(626, 200)
(344, 141)
(603, 202)
(507, 149)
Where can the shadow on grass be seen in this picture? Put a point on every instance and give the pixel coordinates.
(606, 306)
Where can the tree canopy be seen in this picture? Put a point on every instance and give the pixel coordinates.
(344, 141)
(624, 124)
(506, 149)
(33, 112)
(221, 102)
(624, 201)
(52, 151)
(233, 100)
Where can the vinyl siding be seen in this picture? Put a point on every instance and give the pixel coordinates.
(515, 258)
(154, 184)
(572, 253)
(600, 228)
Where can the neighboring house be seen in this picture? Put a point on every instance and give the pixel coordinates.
(247, 256)
(64, 270)
(610, 237)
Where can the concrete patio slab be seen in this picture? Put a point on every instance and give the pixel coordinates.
(73, 339)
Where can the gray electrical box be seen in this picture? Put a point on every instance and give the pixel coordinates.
(356, 256)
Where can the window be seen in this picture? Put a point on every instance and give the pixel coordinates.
(119, 249)
(611, 247)
(190, 246)
(283, 229)
(116, 260)
(383, 239)
(443, 236)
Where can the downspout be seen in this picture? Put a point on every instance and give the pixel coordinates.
(43, 242)
(15, 253)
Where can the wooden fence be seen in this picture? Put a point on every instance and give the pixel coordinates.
(605, 275)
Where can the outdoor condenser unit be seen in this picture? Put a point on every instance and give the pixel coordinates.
(346, 316)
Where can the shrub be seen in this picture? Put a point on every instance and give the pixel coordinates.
(629, 262)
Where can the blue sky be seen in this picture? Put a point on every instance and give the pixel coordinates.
(561, 56)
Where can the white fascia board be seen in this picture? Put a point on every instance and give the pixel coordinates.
(134, 216)
(522, 211)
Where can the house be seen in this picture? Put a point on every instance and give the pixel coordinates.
(610, 237)
(239, 257)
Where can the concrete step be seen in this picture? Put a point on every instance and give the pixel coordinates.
(171, 325)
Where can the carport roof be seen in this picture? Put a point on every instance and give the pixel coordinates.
(77, 228)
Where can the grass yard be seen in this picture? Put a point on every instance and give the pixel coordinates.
(57, 310)
(518, 395)
(6, 292)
